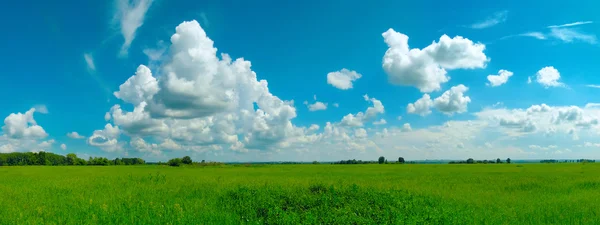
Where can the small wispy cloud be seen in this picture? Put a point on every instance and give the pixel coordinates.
(130, 14)
(89, 60)
(569, 35)
(593, 86)
(491, 21)
(41, 109)
(564, 33)
(537, 35)
(205, 22)
(571, 24)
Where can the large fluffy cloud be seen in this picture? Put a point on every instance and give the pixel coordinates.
(422, 106)
(22, 125)
(426, 68)
(200, 101)
(21, 132)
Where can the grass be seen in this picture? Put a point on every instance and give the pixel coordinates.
(302, 194)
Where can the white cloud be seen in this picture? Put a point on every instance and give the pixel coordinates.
(106, 139)
(19, 126)
(316, 106)
(360, 133)
(336, 105)
(569, 35)
(200, 102)
(536, 35)
(358, 119)
(492, 20)
(41, 109)
(548, 77)
(501, 78)
(421, 106)
(399, 118)
(7, 148)
(138, 88)
(406, 127)
(425, 68)
(130, 15)
(63, 147)
(44, 145)
(593, 86)
(75, 135)
(571, 24)
(343, 79)
(453, 100)
(89, 60)
(380, 122)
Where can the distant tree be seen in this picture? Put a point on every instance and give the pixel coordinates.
(315, 162)
(175, 162)
(470, 161)
(71, 159)
(508, 160)
(186, 160)
(203, 161)
(400, 160)
(381, 160)
(498, 160)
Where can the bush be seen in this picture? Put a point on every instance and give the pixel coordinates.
(175, 162)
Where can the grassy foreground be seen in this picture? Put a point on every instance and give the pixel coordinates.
(302, 194)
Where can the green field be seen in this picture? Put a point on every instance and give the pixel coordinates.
(302, 194)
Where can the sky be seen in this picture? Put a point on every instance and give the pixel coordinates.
(276, 81)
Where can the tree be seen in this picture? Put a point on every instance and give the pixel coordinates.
(400, 160)
(71, 159)
(203, 161)
(175, 162)
(186, 160)
(470, 161)
(498, 160)
(508, 160)
(381, 159)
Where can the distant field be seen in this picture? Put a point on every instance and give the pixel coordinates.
(302, 194)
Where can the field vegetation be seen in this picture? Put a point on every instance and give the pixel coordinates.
(302, 194)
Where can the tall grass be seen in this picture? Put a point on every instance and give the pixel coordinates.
(302, 194)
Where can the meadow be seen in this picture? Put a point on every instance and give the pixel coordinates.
(302, 194)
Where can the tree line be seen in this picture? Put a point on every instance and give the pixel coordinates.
(485, 161)
(568, 161)
(51, 159)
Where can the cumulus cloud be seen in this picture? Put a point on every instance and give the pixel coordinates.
(75, 135)
(358, 119)
(138, 88)
(453, 100)
(130, 15)
(380, 122)
(106, 139)
(491, 21)
(426, 68)
(199, 101)
(343, 79)
(501, 78)
(41, 109)
(316, 106)
(548, 77)
(19, 125)
(421, 106)
(63, 147)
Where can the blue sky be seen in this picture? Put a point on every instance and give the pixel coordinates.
(70, 61)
